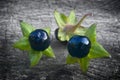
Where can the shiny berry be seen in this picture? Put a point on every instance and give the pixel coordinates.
(39, 40)
(79, 46)
(56, 36)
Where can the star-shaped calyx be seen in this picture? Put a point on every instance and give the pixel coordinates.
(68, 25)
(89, 44)
(35, 41)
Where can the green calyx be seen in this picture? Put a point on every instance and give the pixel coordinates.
(23, 44)
(96, 51)
(68, 25)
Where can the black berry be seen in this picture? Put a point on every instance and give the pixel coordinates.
(79, 46)
(39, 40)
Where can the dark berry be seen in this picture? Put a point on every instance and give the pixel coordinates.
(39, 40)
(79, 46)
(56, 36)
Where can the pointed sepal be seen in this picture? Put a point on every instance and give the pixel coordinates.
(97, 51)
(70, 59)
(26, 28)
(22, 44)
(72, 18)
(34, 57)
(49, 52)
(84, 63)
(60, 18)
(91, 33)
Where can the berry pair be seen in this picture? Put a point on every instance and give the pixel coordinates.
(39, 41)
(81, 41)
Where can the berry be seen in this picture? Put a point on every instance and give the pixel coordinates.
(79, 46)
(56, 36)
(39, 40)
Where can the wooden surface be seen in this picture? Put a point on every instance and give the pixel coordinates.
(14, 64)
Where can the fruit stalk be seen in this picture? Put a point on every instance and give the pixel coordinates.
(81, 20)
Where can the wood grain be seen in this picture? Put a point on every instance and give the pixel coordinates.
(14, 64)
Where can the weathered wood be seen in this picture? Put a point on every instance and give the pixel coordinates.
(14, 64)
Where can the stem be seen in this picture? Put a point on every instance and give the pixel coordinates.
(81, 20)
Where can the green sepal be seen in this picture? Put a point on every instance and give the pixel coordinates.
(64, 18)
(47, 29)
(35, 57)
(26, 28)
(84, 63)
(60, 18)
(61, 35)
(22, 44)
(49, 52)
(91, 33)
(80, 31)
(72, 18)
(67, 37)
(70, 59)
(97, 51)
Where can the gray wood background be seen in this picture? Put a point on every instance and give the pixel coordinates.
(14, 64)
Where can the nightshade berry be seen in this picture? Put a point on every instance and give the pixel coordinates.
(56, 36)
(79, 46)
(39, 40)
